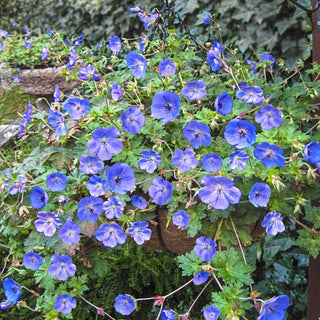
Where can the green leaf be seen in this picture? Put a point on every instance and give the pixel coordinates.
(190, 264)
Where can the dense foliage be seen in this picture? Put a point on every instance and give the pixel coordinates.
(228, 147)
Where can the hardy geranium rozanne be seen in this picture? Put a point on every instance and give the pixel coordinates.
(132, 120)
(167, 68)
(139, 232)
(12, 290)
(137, 64)
(219, 192)
(269, 117)
(77, 108)
(69, 232)
(124, 304)
(64, 303)
(55, 120)
(120, 178)
(194, 90)
(240, 133)
(90, 208)
(89, 73)
(274, 309)
(223, 103)
(211, 312)
(167, 314)
(113, 208)
(57, 182)
(62, 267)
(181, 219)
(269, 154)
(205, 248)
(47, 223)
(32, 261)
(165, 106)
(198, 133)
(184, 159)
(211, 162)
(200, 277)
(273, 223)
(260, 194)
(97, 186)
(111, 235)
(312, 152)
(90, 165)
(251, 95)
(139, 202)
(104, 143)
(238, 160)
(38, 198)
(160, 191)
(149, 161)
(116, 92)
(115, 44)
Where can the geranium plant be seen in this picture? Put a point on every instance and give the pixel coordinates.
(163, 122)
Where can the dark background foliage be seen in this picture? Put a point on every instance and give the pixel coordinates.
(266, 26)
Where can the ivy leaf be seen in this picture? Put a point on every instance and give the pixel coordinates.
(309, 241)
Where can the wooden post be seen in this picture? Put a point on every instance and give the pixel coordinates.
(313, 309)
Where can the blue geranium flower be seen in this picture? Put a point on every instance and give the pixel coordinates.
(139, 232)
(260, 194)
(44, 53)
(149, 161)
(194, 90)
(113, 208)
(205, 249)
(219, 192)
(312, 152)
(90, 165)
(165, 106)
(143, 42)
(214, 56)
(223, 103)
(253, 65)
(64, 303)
(185, 160)
(115, 44)
(198, 133)
(124, 304)
(120, 178)
(238, 160)
(160, 190)
(211, 162)
(62, 267)
(88, 73)
(273, 223)
(167, 314)
(12, 290)
(72, 58)
(69, 232)
(251, 95)
(116, 92)
(269, 117)
(104, 143)
(200, 277)
(55, 120)
(269, 59)
(139, 202)
(181, 219)
(274, 309)
(32, 261)
(240, 133)
(56, 94)
(137, 64)
(77, 108)
(4, 34)
(38, 198)
(97, 186)
(47, 223)
(135, 10)
(57, 182)
(211, 312)
(90, 208)
(132, 120)
(111, 235)
(167, 68)
(27, 44)
(269, 154)
(207, 18)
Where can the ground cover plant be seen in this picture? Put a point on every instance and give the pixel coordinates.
(162, 122)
